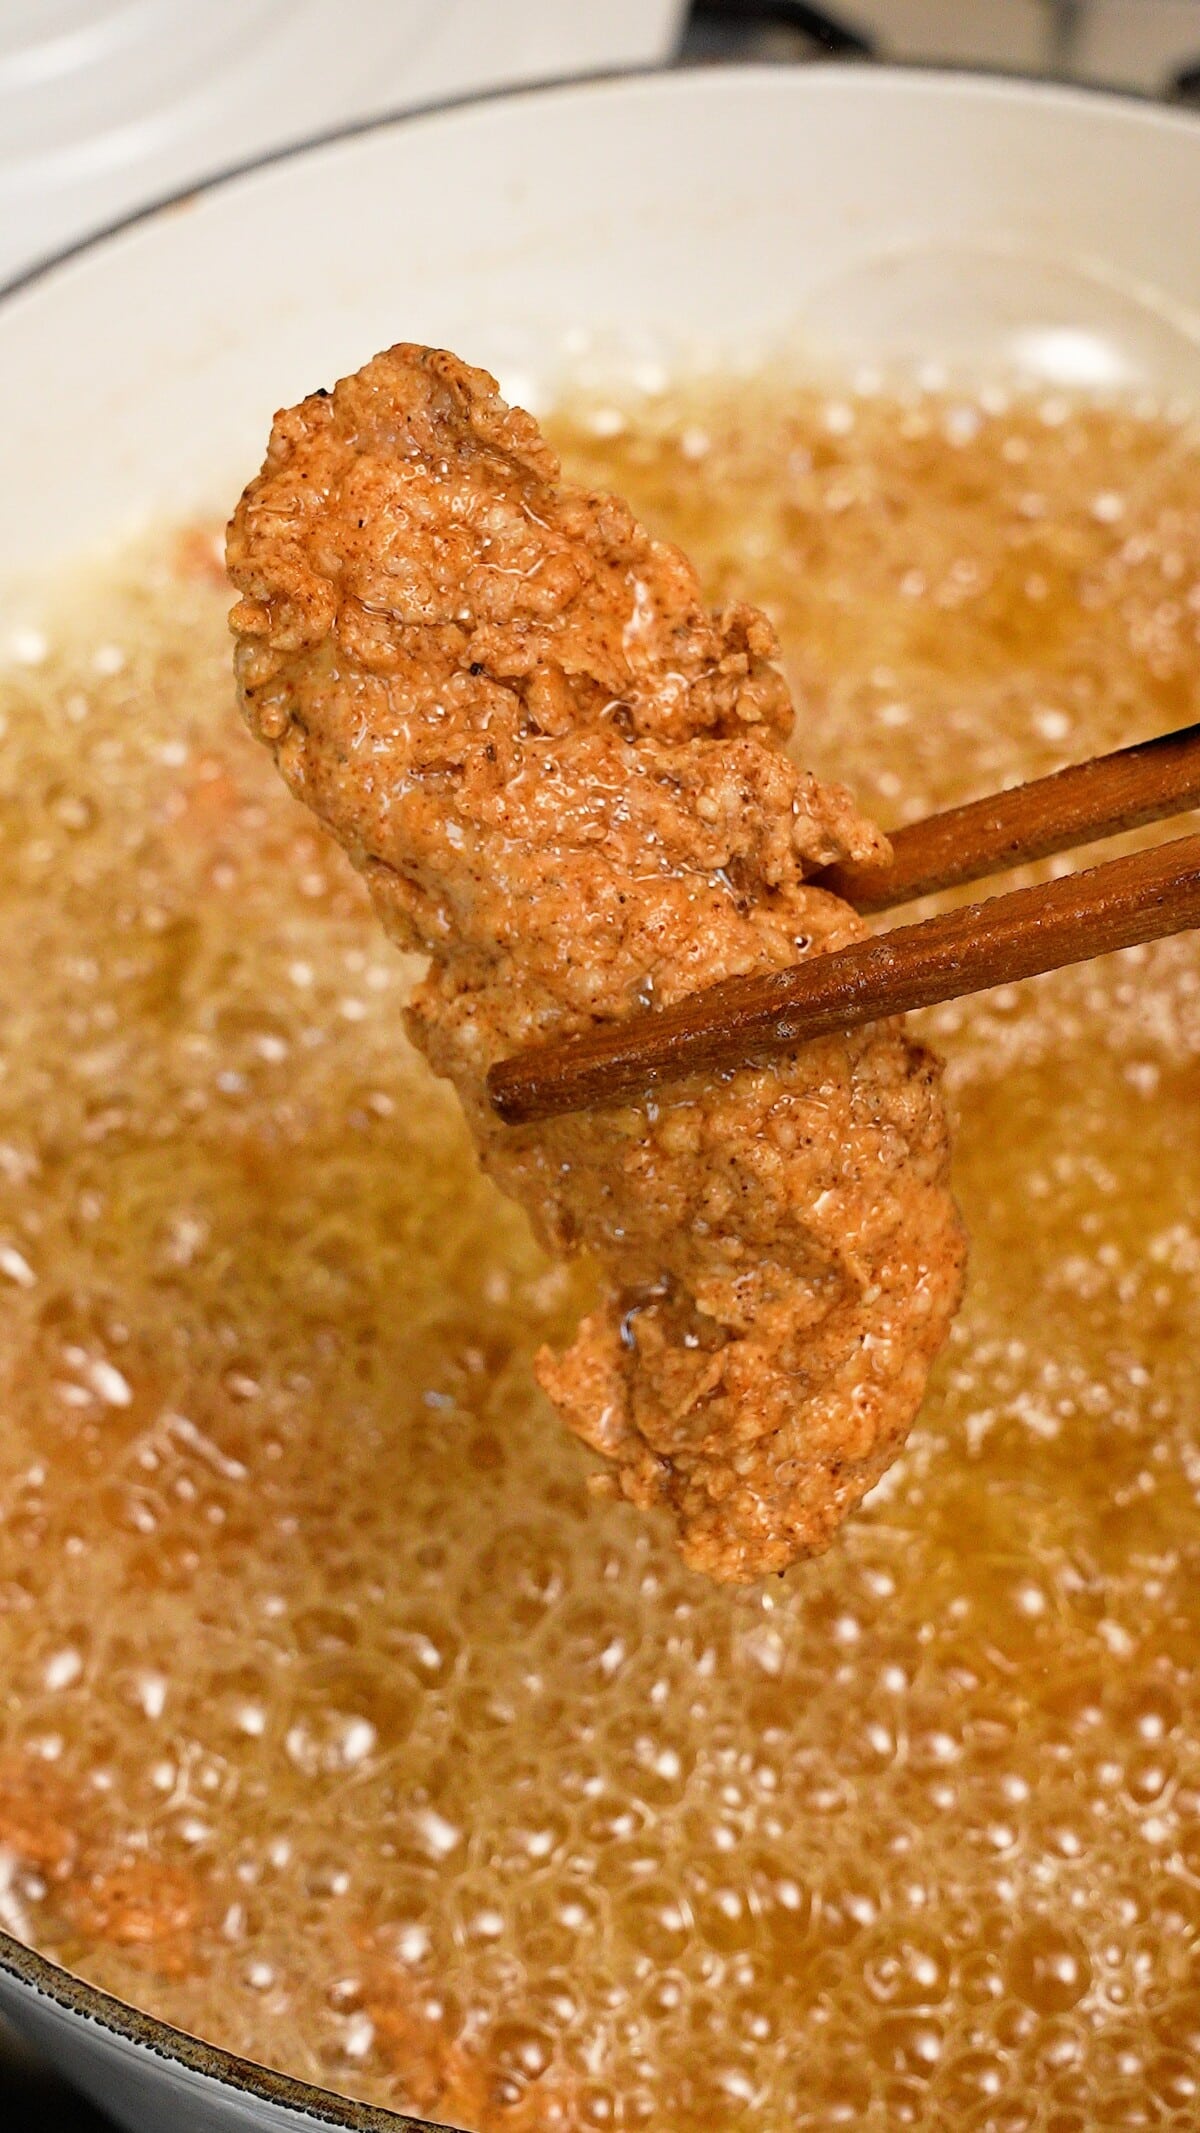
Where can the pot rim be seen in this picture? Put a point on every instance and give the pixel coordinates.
(48, 1979)
(880, 75)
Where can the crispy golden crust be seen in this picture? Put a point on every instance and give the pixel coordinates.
(565, 782)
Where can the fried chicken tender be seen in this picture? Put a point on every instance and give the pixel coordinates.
(565, 782)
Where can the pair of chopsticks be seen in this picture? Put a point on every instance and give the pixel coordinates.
(1121, 904)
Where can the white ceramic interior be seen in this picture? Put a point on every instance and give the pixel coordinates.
(866, 217)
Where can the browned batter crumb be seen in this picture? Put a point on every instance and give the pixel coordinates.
(566, 784)
(456, 2075)
(105, 1891)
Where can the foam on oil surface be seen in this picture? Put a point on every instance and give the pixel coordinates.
(340, 1724)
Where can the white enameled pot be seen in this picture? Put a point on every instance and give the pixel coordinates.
(864, 218)
(107, 103)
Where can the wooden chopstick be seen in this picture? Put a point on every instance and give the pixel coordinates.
(1118, 905)
(1076, 806)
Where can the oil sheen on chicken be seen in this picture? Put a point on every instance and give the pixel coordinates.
(567, 785)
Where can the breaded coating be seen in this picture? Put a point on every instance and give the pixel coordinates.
(566, 783)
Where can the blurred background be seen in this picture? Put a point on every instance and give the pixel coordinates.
(107, 106)
(1152, 46)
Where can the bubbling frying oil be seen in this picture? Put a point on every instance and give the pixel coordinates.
(341, 1724)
